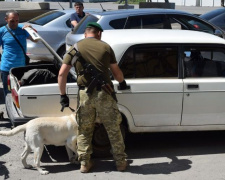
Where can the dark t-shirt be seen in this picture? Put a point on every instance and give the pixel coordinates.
(95, 52)
(76, 17)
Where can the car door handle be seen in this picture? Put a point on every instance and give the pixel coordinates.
(128, 88)
(192, 86)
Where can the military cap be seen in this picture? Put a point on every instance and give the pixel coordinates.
(94, 24)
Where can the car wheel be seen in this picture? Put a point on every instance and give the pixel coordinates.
(100, 141)
(62, 51)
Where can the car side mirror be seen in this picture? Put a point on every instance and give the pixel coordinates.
(218, 33)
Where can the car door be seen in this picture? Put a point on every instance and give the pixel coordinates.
(156, 92)
(204, 85)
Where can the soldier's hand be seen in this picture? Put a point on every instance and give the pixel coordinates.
(64, 101)
(122, 85)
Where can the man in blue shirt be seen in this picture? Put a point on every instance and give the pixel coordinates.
(12, 53)
(78, 15)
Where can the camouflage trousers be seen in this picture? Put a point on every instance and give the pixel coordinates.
(102, 105)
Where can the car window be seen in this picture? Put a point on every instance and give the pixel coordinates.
(80, 28)
(193, 24)
(46, 18)
(148, 61)
(204, 62)
(147, 22)
(118, 23)
(68, 23)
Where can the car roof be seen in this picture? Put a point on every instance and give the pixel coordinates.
(141, 11)
(72, 10)
(160, 36)
(120, 40)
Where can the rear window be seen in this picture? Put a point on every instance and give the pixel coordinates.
(146, 22)
(80, 28)
(194, 24)
(46, 18)
(118, 23)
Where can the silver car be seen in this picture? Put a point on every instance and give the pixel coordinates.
(143, 19)
(52, 26)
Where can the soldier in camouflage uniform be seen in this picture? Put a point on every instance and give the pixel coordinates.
(99, 103)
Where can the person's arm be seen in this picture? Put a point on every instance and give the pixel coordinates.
(116, 72)
(73, 20)
(74, 23)
(118, 75)
(62, 78)
(28, 25)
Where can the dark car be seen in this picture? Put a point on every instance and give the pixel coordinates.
(216, 17)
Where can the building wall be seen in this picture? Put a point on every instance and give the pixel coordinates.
(193, 2)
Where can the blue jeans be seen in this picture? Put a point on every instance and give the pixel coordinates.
(4, 76)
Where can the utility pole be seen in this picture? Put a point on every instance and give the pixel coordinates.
(71, 3)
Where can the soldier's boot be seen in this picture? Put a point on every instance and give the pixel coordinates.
(86, 168)
(122, 166)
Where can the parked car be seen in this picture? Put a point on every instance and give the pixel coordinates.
(176, 81)
(216, 17)
(143, 19)
(53, 26)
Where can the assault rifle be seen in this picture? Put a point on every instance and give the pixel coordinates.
(98, 81)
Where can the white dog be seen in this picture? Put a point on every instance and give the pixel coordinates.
(58, 131)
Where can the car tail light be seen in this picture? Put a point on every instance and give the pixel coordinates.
(15, 98)
(8, 83)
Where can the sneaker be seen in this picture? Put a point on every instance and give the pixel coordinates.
(86, 168)
(122, 166)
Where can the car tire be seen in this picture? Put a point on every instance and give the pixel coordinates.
(100, 141)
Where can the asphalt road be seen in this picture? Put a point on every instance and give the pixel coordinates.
(159, 156)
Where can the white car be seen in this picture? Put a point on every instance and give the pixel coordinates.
(176, 80)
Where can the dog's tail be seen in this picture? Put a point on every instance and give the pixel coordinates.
(14, 131)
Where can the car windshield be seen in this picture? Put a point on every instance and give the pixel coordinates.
(80, 28)
(219, 21)
(46, 18)
(212, 14)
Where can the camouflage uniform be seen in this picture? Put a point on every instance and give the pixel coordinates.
(99, 103)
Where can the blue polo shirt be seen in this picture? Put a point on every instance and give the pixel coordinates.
(76, 17)
(13, 55)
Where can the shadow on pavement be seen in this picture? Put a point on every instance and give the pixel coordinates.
(58, 153)
(147, 146)
(162, 168)
(3, 169)
(6, 124)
